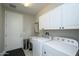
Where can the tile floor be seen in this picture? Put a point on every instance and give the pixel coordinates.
(27, 53)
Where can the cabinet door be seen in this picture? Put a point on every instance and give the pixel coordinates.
(71, 16)
(44, 21)
(41, 22)
(55, 18)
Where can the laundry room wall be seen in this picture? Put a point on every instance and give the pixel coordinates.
(2, 16)
(28, 26)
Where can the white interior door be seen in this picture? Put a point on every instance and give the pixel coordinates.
(13, 30)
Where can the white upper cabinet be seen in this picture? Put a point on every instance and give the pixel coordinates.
(71, 16)
(51, 19)
(65, 16)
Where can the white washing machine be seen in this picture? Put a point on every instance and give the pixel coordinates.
(60, 46)
(37, 45)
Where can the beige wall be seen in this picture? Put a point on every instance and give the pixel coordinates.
(28, 26)
(1, 28)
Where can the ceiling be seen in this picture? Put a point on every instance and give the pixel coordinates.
(32, 10)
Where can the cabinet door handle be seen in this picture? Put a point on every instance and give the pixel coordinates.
(62, 27)
(59, 27)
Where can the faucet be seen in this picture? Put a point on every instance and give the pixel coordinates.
(47, 35)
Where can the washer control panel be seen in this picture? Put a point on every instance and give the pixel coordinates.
(66, 40)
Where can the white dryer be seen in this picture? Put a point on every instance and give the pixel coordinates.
(38, 44)
(60, 46)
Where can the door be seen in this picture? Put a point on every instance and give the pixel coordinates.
(13, 30)
(71, 16)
